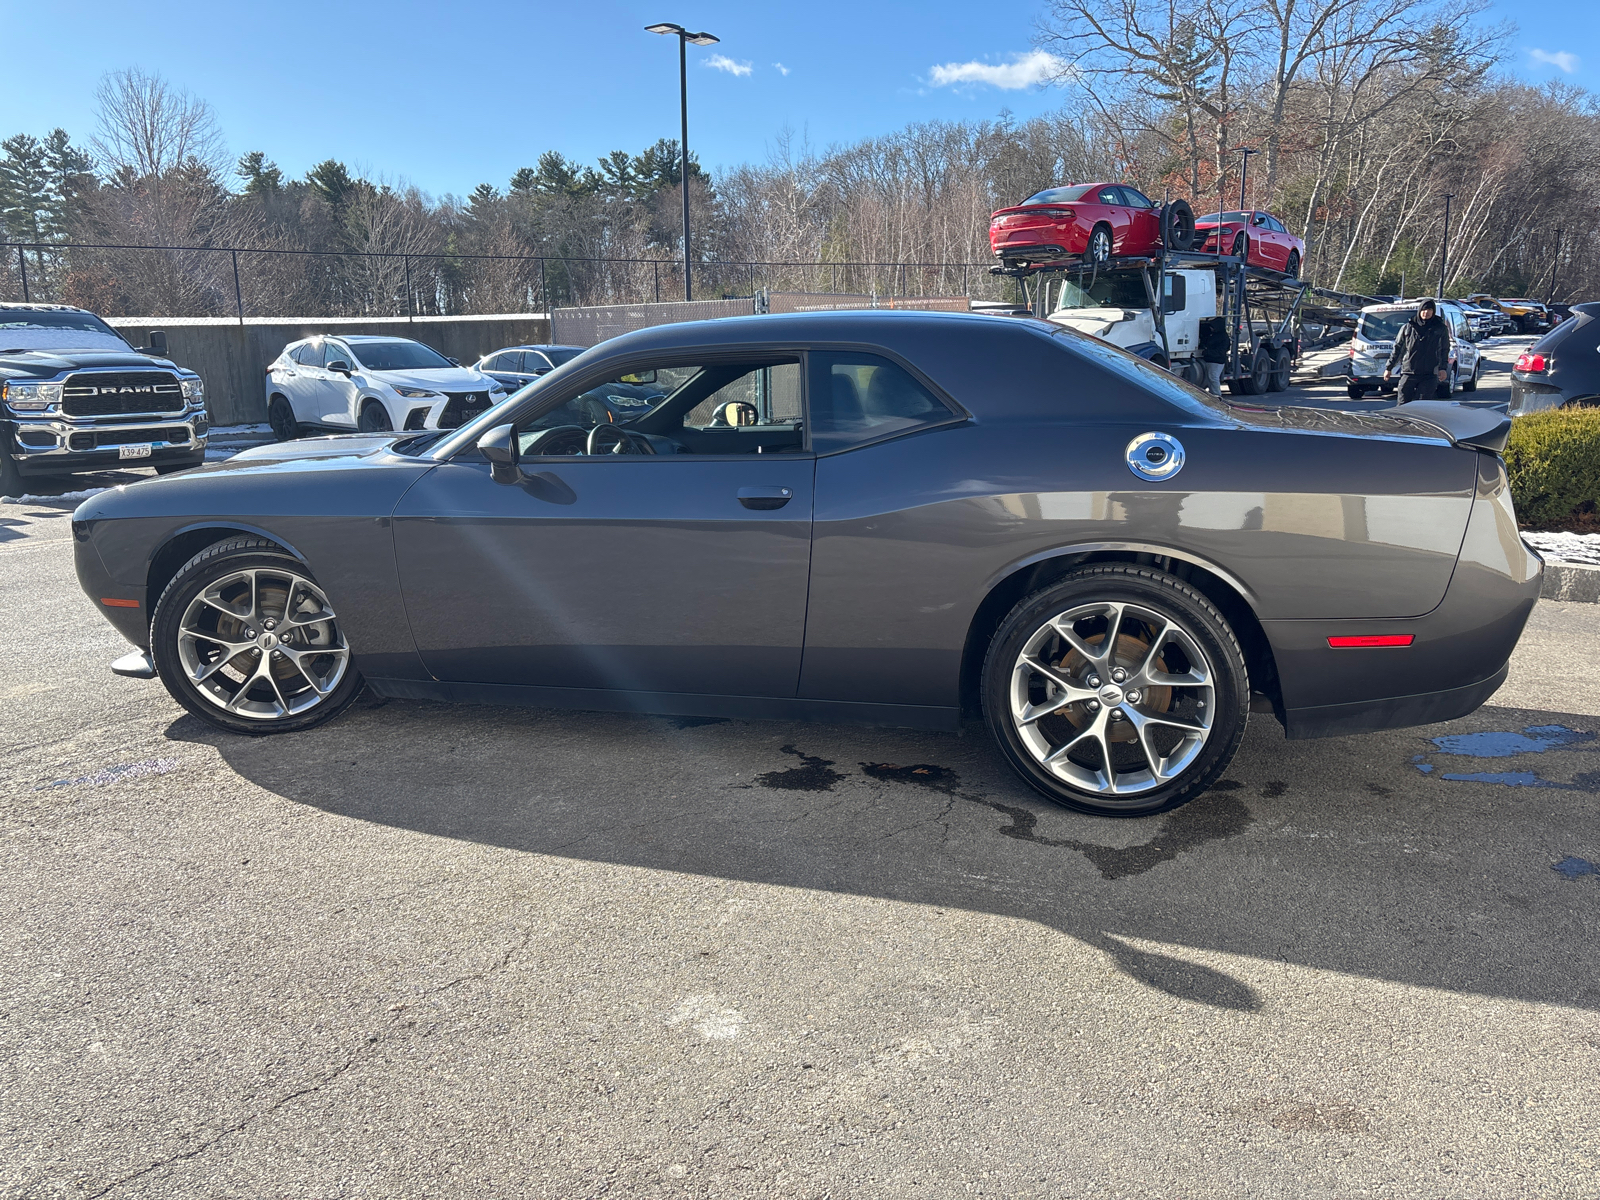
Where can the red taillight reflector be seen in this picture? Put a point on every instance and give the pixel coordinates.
(1056, 212)
(113, 602)
(1361, 641)
(1532, 363)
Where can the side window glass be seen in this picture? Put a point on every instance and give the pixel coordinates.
(334, 352)
(862, 397)
(1136, 199)
(764, 396)
(1109, 196)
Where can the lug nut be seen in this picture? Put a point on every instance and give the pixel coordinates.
(1094, 706)
(1094, 681)
(1118, 675)
(1133, 696)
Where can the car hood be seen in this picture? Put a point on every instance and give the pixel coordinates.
(436, 379)
(57, 359)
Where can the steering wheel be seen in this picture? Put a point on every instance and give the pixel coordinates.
(561, 439)
(624, 441)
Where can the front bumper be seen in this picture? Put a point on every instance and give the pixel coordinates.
(49, 445)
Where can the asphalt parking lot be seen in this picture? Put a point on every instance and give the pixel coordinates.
(433, 951)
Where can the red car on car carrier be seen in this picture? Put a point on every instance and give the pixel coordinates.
(1091, 221)
(1270, 244)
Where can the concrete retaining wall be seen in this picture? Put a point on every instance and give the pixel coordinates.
(232, 358)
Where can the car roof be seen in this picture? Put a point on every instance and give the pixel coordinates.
(837, 325)
(539, 346)
(19, 306)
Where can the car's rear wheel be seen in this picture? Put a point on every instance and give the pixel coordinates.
(280, 416)
(1354, 392)
(1119, 690)
(1254, 383)
(245, 640)
(1100, 246)
(374, 418)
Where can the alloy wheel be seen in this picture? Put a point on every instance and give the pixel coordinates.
(1100, 246)
(1113, 698)
(263, 644)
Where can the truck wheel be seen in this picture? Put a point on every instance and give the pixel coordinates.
(1281, 369)
(1177, 226)
(1354, 392)
(1255, 383)
(10, 477)
(1119, 691)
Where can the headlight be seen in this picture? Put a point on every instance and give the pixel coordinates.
(193, 390)
(32, 397)
(415, 393)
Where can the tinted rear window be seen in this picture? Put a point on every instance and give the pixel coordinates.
(1383, 326)
(561, 357)
(1065, 195)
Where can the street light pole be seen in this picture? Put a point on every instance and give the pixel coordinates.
(1444, 254)
(684, 38)
(1244, 169)
(1554, 267)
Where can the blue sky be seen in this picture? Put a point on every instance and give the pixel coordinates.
(452, 95)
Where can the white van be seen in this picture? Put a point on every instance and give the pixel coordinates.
(1379, 325)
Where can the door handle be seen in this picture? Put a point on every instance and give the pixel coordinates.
(765, 497)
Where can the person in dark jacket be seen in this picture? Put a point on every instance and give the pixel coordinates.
(1214, 347)
(1423, 353)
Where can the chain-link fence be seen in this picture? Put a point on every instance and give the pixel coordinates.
(211, 281)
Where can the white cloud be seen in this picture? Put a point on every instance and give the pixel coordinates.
(782, 70)
(1024, 70)
(1564, 59)
(721, 62)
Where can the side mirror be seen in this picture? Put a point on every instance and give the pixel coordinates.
(158, 343)
(501, 448)
(638, 377)
(340, 366)
(541, 371)
(454, 362)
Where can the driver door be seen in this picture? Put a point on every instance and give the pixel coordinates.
(670, 572)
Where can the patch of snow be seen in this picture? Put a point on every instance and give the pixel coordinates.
(1581, 548)
(239, 430)
(72, 497)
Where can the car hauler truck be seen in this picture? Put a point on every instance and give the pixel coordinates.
(1153, 307)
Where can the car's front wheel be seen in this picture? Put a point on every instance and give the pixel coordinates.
(1119, 691)
(374, 418)
(245, 640)
(1471, 385)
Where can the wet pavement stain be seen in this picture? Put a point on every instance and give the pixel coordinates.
(1575, 868)
(1214, 816)
(1534, 739)
(815, 775)
(1273, 789)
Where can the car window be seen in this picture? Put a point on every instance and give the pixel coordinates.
(1110, 196)
(333, 352)
(1135, 198)
(1062, 195)
(1275, 225)
(401, 355)
(719, 408)
(561, 357)
(307, 354)
(863, 397)
(535, 360)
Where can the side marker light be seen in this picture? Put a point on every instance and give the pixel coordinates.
(113, 602)
(1364, 641)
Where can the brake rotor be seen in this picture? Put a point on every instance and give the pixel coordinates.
(1129, 654)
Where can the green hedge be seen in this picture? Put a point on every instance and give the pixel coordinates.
(1553, 460)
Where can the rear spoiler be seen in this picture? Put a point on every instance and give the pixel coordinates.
(1465, 425)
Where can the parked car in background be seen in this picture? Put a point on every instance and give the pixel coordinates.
(1093, 221)
(75, 396)
(1524, 316)
(1269, 243)
(1484, 321)
(1561, 369)
(1375, 334)
(883, 535)
(372, 384)
(517, 366)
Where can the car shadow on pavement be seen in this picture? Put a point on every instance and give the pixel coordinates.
(1423, 857)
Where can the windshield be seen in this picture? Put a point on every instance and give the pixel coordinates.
(399, 356)
(36, 329)
(1063, 195)
(1228, 217)
(1108, 291)
(1383, 326)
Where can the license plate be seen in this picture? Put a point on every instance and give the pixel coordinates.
(134, 450)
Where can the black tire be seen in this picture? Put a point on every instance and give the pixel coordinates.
(1471, 385)
(1255, 383)
(10, 477)
(1177, 226)
(280, 415)
(1100, 246)
(1241, 244)
(1282, 368)
(1293, 270)
(174, 468)
(212, 565)
(1007, 683)
(374, 418)
(1354, 392)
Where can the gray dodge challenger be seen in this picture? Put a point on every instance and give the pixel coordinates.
(891, 518)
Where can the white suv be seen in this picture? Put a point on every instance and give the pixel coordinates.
(1376, 330)
(372, 384)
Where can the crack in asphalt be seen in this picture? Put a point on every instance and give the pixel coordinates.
(1214, 816)
(396, 1012)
